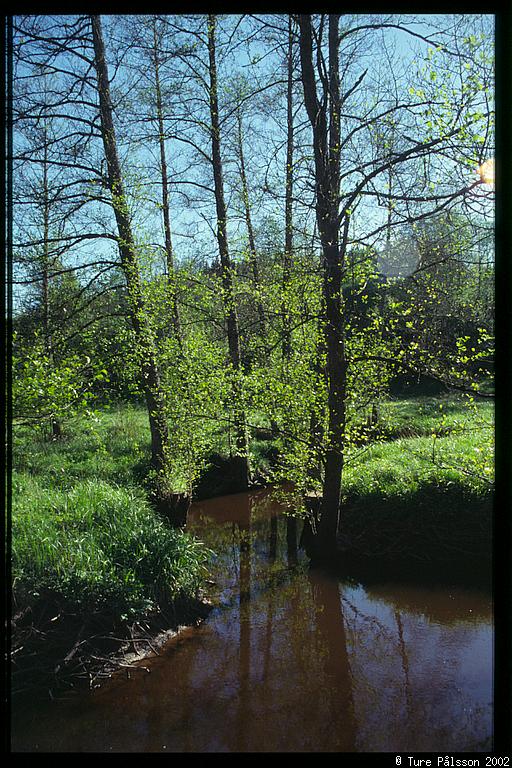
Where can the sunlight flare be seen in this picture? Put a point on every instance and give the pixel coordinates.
(486, 172)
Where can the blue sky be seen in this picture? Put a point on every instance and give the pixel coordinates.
(193, 222)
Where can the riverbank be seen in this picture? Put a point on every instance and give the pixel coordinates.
(422, 505)
(93, 568)
(98, 575)
(292, 659)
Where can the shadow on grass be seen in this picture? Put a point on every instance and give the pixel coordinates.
(435, 535)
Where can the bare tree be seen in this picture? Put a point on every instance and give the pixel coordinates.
(226, 267)
(128, 252)
(169, 251)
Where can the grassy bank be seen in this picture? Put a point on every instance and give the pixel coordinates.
(93, 565)
(419, 499)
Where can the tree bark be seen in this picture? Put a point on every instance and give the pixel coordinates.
(288, 210)
(169, 252)
(253, 259)
(149, 370)
(226, 267)
(326, 144)
(55, 425)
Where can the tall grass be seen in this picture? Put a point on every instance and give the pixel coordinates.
(82, 528)
(99, 547)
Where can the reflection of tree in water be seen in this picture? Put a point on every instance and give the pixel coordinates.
(411, 690)
(286, 665)
(291, 644)
(331, 637)
(405, 663)
(273, 539)
(300, 636)
(313, 672)
(244, 673)
(291, 540)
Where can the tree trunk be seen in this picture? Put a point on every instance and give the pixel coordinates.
(226, 267)
(253, 259)
(149, 370)
(326, 142)
(56, 430)
(169, 253)
(288, 210)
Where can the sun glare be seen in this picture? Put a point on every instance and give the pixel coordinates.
(486, 172)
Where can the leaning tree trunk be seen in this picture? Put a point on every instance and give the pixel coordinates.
(150, 375)
(226, 267)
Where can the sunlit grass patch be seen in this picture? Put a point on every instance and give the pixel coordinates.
(99, 546)
(424, 500)
(424, 416)
(106, 446)
(402, 466)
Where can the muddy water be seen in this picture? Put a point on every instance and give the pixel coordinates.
(292, 660)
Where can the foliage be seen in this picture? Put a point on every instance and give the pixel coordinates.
(46, 390)
(412, 227)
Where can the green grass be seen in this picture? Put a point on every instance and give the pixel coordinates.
(113, 446)
(99, 547)
(82, 527)
(402, 466)
(425, 499)
(427, 415)
(83, 531)
(454, 450)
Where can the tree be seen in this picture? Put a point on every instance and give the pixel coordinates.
(169, 250)
(226, 267)
(160, 446)
(447, 130)
(288, 206)
(345, 179)
(326, 143)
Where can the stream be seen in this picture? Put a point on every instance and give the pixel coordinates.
(291, 659)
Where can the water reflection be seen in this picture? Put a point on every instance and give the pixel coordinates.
(405, 665)
(332, 647)
(291, 540)
(292, 660)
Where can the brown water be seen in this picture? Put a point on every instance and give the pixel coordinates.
(291, 660)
